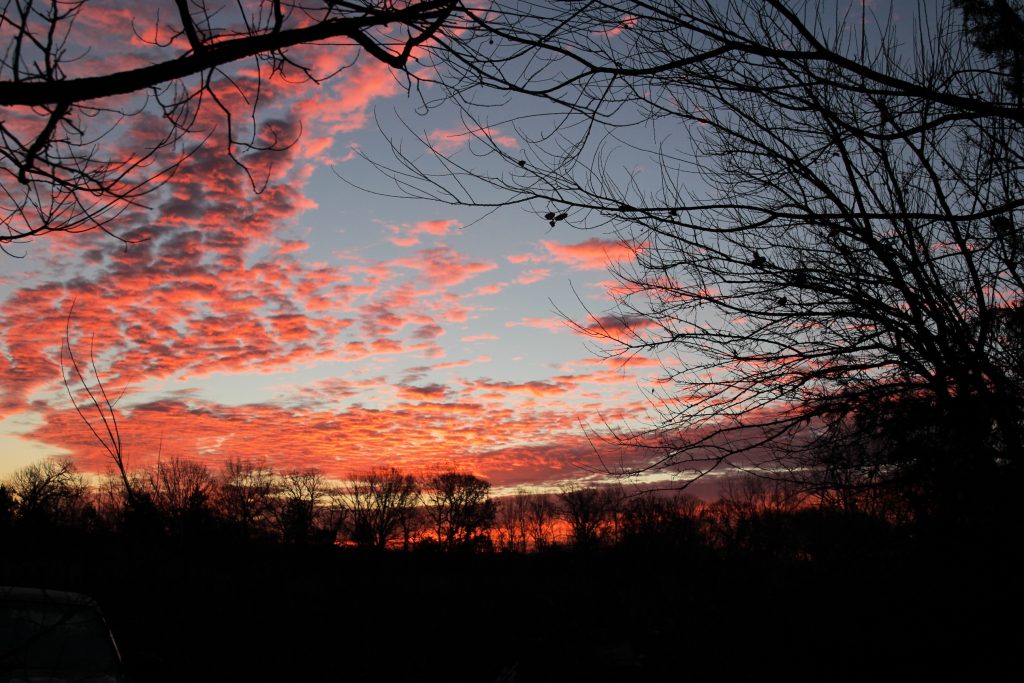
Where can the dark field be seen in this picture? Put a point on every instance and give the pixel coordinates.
(220, 610)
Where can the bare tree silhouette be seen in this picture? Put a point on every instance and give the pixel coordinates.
(299, 510)
(511, 522)
(540, 513)
(653, 517)
(48, 492)
(181, 491)
(244, 495)
(824, 207)
(96, 407)
(524, 521)
(590, 512)
(382, 507)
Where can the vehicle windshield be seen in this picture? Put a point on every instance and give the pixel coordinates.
(37, 637)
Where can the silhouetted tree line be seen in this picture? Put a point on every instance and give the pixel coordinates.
(246, 501)
(201, 569)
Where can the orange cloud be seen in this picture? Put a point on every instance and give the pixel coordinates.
(421, 429)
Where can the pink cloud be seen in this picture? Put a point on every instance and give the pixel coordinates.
(442, 267)
(620, 363)
(525, 258)
(448, 141)
(550, 324)
(432, 392)
(616, 325)
(593, 254)
(627, 21)
(292, 247)
(536, 388)
(437, 228)
(462, 363)
(529, 277)
(342, 106)
(487, 290)
(428, 331)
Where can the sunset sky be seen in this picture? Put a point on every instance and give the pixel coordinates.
(314, 324)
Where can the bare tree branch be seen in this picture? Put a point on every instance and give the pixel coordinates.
(53, 123)
(103, 425)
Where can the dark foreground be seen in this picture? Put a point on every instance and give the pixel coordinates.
(252, 612)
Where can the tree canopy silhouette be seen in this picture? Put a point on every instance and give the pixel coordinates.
(382, 506)
(459, 507)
